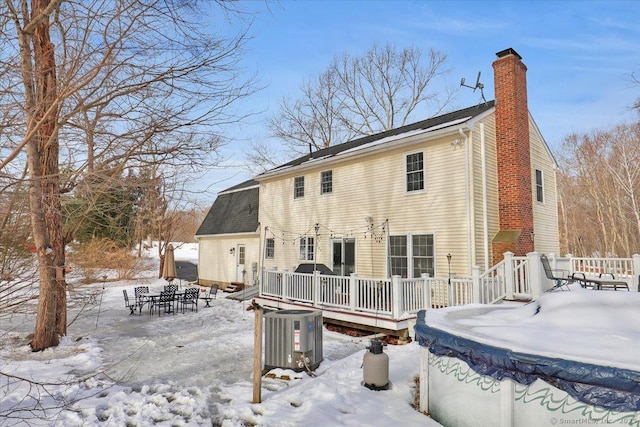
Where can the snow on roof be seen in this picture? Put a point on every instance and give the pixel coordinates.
(404, 135)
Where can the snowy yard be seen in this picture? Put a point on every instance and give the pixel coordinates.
(187, 369)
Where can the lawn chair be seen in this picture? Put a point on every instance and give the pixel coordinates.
(213, 291)
(560, 281)
(128, 303)
(164, 301)
(190, 297)
(141, 300)
(601, 284)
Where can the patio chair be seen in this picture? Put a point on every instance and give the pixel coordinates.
(581, 278)
(190, 297)
(141, 300)
(213, 291)
(165, 301)
(560, 281)
(173, 288)
(128, 304)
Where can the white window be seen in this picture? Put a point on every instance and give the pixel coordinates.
(398, 255)
(270, 249)
(326, 182)
(415, 172)
(306, 249)
(539, 186)
(422, 254)
(298, 187)
(411, 255)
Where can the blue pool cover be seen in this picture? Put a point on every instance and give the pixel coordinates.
(604, 386)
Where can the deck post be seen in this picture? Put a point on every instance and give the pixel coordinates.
(353, 281)
(636, 271)
(475, 284)
(286, 278)
(315, 288)
(426, 291)
(535, 274)
(396, 295)
(508, 275)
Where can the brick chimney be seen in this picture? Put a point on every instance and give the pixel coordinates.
(513, 157)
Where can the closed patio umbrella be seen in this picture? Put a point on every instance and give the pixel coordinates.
(169, 266)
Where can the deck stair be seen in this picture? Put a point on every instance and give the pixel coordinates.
(234, 287)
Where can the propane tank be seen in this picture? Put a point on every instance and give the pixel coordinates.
(376, 367)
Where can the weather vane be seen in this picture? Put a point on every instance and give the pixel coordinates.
(478, 85)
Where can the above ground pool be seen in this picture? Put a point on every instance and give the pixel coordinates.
(581, 342)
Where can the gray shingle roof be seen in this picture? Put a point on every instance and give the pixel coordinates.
(236, 208)
(434, 122)
(234, 211)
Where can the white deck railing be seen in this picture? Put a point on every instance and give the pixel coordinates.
(397, 298)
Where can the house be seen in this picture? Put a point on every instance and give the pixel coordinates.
(439, 196)
(229, 238)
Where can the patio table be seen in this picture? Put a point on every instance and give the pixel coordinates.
(151, 297)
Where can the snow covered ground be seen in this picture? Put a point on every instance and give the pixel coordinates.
(189, 369)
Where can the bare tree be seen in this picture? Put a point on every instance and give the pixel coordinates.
(102, 87)
(636, 80)
(360, 95)
(600, 189)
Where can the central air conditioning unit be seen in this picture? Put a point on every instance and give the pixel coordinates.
(293, 340)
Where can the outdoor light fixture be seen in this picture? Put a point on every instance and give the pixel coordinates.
(232, 251)
(449, 263)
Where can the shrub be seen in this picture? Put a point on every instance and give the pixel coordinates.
(94, 258)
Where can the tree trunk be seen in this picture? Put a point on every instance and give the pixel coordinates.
(44, 188)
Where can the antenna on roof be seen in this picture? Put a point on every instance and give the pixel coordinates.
(477, 86)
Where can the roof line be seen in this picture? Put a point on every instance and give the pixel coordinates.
(468, 114)
(334, 150)
(235, 190)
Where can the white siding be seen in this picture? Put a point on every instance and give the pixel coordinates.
(373, 186)
(451, 207)
(545, 214)
(217, 264)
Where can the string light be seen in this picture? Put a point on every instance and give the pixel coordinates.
(376, 232)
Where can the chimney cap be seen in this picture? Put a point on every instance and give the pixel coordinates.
(508, 51)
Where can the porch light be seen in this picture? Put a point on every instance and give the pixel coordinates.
(232, 251)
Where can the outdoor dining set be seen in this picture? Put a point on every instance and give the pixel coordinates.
(169, 300)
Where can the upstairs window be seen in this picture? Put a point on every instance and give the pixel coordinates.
(270, 249)
(326, 182)
(539, 187)
(415, 172)
(298, 187)
(306, 249)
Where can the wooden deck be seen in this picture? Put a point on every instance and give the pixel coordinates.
(367, 322)
(390, 305)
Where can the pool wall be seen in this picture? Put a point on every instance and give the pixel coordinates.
(465, 383)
